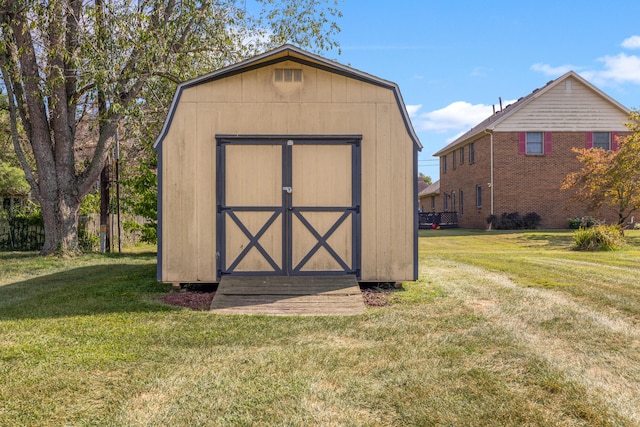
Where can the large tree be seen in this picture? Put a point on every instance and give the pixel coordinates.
(610, 180)
(74, 70)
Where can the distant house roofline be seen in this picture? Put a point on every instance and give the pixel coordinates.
(432, 190)
(492, 121)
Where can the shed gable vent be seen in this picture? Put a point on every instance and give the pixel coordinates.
(288, 75)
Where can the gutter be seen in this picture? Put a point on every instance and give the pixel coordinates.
(490, 133)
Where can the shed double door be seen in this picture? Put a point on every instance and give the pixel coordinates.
(288, 206)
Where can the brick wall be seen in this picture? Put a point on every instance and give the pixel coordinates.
(522, 183)
(466, 176)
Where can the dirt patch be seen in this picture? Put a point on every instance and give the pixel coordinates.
(376, 297)
(199, 301)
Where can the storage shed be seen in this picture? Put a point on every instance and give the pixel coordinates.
(287, 164)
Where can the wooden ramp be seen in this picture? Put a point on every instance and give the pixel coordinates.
(288, 296)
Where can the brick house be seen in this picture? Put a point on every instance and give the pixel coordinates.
(429, 198)
(515, 160)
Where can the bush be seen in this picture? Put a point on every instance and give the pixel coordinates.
(532, 221)
(147, 232)
(87, 241)
(598, 238)
(513, 221)
(581, 222)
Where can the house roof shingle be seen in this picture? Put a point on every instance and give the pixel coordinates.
(490, 122)
(432, 190)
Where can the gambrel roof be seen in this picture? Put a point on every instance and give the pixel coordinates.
(499, 118)
(289, 52)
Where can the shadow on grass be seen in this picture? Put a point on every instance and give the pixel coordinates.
(452, 232)
(104, 288)
(555, 235)
(558, 239)
(20, 255)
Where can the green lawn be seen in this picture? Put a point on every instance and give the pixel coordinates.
(503, 328)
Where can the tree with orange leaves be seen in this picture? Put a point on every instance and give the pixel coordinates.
(610, 180)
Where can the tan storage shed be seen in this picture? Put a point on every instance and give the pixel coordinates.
(287, 164)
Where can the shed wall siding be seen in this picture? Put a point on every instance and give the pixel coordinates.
(560, 109)
(252, 103)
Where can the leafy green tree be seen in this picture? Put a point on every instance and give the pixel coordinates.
(610, 180)
(12, 181)
(425, 178)
(142, 198)
(74, 67)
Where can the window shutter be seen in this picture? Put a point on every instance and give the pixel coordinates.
(547, 142)
(614, 141)
(589, 140)
(522, 143)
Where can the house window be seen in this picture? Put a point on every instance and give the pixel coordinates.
(472, 152)
(454, 163)
(444, 164)
(288, 75)
(453, 201)
(446, 202)
(461, 155)
(433, 203)
(535, 141)
(602, 140)
(461, 202)
(478, 196)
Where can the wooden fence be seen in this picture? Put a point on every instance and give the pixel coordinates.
(21, 236)
(24, 235)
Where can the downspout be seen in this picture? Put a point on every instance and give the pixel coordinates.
(488, 132)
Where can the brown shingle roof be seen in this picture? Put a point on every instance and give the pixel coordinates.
(491, 121)
(433, 189)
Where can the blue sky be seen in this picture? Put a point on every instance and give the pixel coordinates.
(453, 59)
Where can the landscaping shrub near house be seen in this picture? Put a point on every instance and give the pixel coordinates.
(598, 238)
(581, 222)
(514, 221)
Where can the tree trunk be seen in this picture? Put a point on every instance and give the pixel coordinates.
(60, 226)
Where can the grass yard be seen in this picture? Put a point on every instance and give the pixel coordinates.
(502, 329)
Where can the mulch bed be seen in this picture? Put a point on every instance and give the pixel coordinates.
(201, 301)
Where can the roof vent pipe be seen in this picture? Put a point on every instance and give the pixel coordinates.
(500, 99)
(494, 108)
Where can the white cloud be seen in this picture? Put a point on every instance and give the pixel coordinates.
(456, 117)
(632, 42)
(413, 109)
(552, 71)
(621, 68)
(617, 69)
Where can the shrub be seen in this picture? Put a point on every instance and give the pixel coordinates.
(600, 237)
(513, 221)
(531, 221)
(87, 241)
(581, 222)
